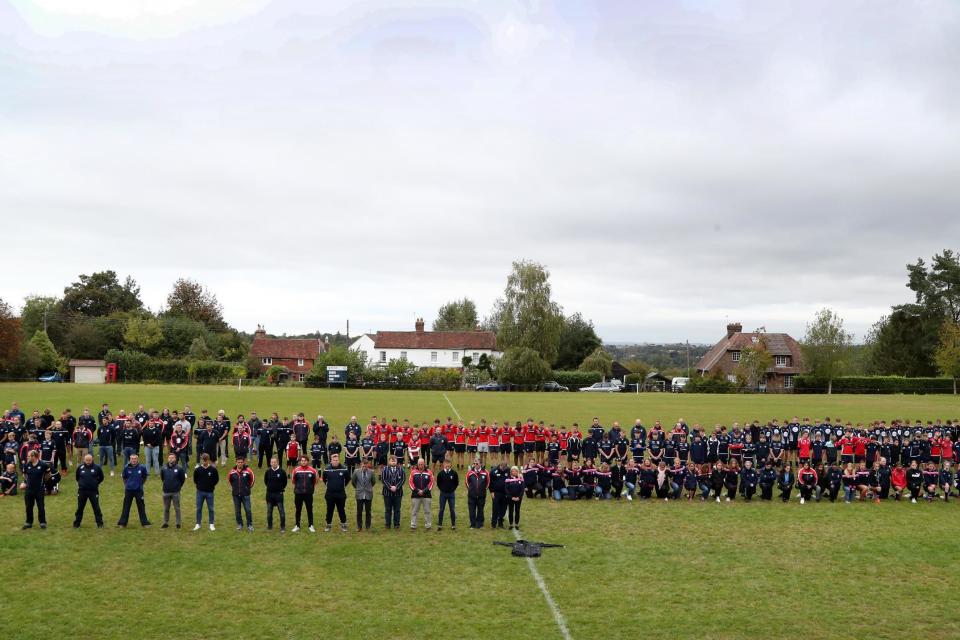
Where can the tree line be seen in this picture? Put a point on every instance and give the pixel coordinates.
(99, 314)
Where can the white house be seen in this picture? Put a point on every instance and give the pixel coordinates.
(440, 349)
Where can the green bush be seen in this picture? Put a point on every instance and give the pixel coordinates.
(443, 379)
(136, 366)
(710, 384)
(874, 384)
(577, 379)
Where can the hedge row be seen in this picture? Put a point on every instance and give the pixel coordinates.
(874, 384)
(576, 379)
(709, 384)
(135, 366)
(427, 379)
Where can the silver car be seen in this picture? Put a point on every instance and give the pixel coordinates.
(612, 386)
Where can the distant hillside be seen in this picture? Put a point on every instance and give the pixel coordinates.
(658, 356)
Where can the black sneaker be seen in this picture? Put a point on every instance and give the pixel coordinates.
(27, 526)
(43, 525)
(178, 525)
(453, 527)
(99, 525)
(439, 527)
(164, 526)
(76, 525)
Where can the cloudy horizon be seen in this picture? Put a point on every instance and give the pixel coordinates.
(676, 166)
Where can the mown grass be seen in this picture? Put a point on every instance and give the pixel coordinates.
(661, 570)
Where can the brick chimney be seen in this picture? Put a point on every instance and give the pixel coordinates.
(418, 325)
(734, 327)
(260, 331)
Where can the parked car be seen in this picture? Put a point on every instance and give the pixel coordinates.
(493, 386)
(612, 386)
(553, 385)
(50, 377)
(678, 384)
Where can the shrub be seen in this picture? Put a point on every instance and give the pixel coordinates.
(874, 384)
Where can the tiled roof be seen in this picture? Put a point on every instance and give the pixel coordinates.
(435, 340)
(778, 344)
(306, 348)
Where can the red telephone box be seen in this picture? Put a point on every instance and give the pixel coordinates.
(111, 372)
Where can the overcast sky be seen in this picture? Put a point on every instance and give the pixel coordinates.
(676, 165)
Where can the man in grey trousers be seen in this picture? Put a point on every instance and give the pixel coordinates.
(173, 476)
(363, 481)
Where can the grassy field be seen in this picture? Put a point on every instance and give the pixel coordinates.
(661, 570)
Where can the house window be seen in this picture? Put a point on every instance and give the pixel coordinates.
(299, 362)
(267, 361)
(302, 377)
(433, 356)
(476, 356)
(781, 361)
(403, 355)
(788, 382)
(735, 355)
(383, 356)
(456, 356)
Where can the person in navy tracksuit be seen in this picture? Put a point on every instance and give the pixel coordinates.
(89, 476)
(134, 477)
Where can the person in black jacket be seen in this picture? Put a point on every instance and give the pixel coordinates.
(205, 477)
(447, 481)
(392, 478)
(768, 477)
(336, 477)
(241, 480)
(478, 481)
(275, 481)
(513, 489)
(89, 476)
(172, 475)
(33, 488)
(498, 476)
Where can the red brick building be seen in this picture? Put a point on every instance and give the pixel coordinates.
(725, 356)
(296, 355)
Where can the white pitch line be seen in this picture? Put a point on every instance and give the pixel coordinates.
(452, 407)
(557, 615)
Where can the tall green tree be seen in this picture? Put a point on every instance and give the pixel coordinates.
(101, 294)
(947, 354)
(578, 339)
(522, 365)
(903, 342)
(526, 316)
(459, 315)
(190, 299)
(599, 361)
(755, 359)
(11, 337)
(937, 288)
(44, 311)
(826, 346)
(49, 358)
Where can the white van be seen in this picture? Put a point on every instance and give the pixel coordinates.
(678, 384)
